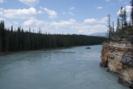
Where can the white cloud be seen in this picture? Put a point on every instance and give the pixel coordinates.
(29, 2)
(72, 8)
(64, 24)
(25, 13)
(93, 25)
(70, 11)
(72, 26)
(107, 0)
(114, 0)
(120, 11)
(99, 7)
(1, 1)
(1, 19)
(26, 17)
(18, 13)
(34, 24)
(93, 21)
(128, 10)
(1, 12)
(51, 13)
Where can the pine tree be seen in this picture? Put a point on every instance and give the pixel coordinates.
(2, 35)
(132, 12)
(124, 17)
(118, 24)
(109, 27)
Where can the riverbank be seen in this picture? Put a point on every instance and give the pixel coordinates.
(47, 49)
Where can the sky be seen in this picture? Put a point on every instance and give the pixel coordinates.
(61, 16)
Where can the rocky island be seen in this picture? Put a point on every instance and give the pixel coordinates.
(117, 52)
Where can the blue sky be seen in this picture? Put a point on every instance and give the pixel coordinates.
(60, 16)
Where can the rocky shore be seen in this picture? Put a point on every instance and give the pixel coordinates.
(117, 57)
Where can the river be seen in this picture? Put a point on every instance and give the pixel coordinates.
(70, 68)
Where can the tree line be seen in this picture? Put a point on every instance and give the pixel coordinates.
(124, 26)
(20, 40)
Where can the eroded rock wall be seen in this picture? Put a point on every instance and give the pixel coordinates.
(118, 58)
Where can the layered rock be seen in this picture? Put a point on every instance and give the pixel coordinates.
(118, 58)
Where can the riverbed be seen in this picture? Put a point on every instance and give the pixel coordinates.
(69, 68)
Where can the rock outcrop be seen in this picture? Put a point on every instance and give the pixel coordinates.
(118, 57)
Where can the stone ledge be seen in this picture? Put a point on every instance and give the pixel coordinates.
(118, 58)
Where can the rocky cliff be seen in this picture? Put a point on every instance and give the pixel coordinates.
(118, 57)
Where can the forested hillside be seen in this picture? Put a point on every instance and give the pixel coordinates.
(19, 40)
